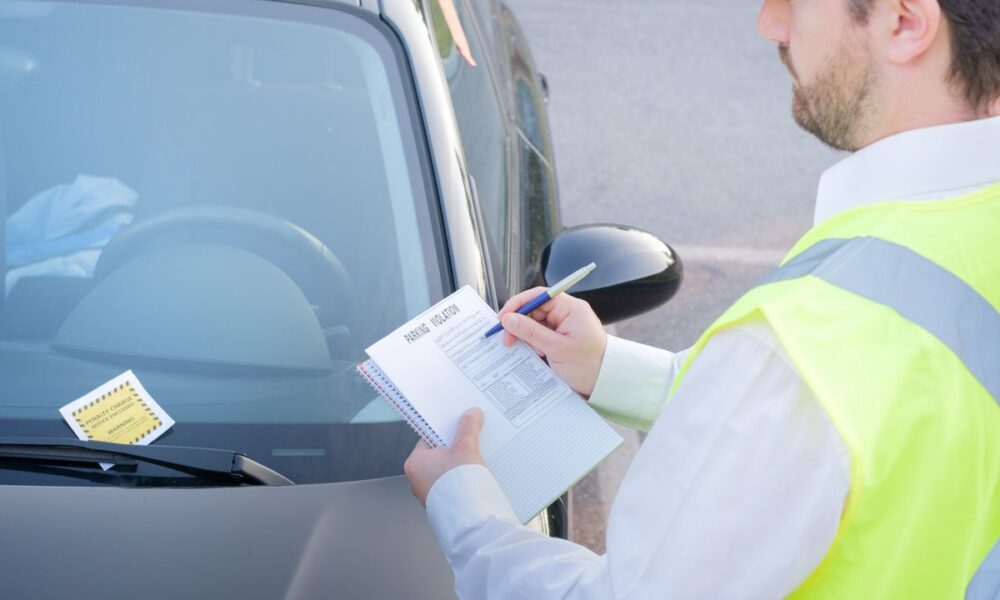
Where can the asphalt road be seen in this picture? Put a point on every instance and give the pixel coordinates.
(673, 116)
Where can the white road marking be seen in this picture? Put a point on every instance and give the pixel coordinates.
(731, 254)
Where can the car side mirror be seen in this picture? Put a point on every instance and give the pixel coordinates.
(636, 271)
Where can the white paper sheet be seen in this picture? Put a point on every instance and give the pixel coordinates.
(539, 436)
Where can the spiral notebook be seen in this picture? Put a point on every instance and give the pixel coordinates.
(539, 436)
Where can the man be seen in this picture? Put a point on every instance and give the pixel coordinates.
(837, 432)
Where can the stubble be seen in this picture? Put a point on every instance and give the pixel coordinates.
(837, 105)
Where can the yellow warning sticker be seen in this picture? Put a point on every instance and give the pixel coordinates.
(121, 411)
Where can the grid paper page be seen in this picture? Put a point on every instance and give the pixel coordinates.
(545, 459)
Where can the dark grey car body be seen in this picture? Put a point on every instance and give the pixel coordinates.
(347, 539)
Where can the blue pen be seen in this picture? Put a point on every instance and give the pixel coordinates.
(548, 294)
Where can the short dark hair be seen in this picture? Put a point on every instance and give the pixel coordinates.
(975, 42)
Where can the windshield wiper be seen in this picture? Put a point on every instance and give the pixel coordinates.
(206, 463)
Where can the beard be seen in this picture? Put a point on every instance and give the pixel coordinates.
(838, 105)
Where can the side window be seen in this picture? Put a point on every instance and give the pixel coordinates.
(537, 185)
(539, 198)
(487, 21)
(479, 116)
(539, 206)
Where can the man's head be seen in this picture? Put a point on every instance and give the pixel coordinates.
(866, 69)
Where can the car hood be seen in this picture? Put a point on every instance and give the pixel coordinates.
(367, 539)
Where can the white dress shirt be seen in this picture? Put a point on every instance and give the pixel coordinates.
(738, 489)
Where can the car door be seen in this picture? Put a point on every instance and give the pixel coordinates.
(499, 104)
(539, 199)
(485, 127)
(535, 205)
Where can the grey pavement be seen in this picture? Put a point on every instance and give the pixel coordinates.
(673, 116)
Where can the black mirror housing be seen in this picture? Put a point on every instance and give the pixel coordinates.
(636, 271)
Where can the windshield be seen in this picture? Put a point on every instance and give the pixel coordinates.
(231, 206)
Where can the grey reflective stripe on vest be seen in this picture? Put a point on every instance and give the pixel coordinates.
(919, 290)
(985, 584)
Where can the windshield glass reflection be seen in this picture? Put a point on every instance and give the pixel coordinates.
(229, 206)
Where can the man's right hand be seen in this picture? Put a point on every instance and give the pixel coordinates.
(564, 330)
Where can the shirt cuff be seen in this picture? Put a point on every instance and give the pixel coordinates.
(633, 383)
(463, 498)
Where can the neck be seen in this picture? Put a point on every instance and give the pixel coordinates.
(926, 113)
(920, 94)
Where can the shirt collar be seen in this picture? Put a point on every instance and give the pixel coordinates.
(922, 164)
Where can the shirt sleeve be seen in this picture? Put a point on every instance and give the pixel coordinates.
(634, 382)
(494, 556)
(736, 492)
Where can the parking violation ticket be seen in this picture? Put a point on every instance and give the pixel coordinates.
(121, 411)
(539, 437)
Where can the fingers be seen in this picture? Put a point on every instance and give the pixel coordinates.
(420, 448)
(409, 466)
(467, 434)
(538, 315)
(560, 311)
(553, 312)
(520, 300)
(533, 333)
(508, 340)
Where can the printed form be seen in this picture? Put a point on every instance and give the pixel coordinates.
(443, 365)
(516, 382)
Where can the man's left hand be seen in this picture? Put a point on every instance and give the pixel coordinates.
(425, 465)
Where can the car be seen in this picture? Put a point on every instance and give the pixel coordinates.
(232, 200)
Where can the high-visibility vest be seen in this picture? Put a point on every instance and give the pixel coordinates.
(891, 315)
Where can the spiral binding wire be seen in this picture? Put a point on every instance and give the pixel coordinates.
(378, 380)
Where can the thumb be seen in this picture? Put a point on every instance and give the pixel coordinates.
(467, 434)
(532, 332)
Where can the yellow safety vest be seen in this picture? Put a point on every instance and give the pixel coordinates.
(891, 315)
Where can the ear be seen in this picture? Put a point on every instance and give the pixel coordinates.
(913, 27)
